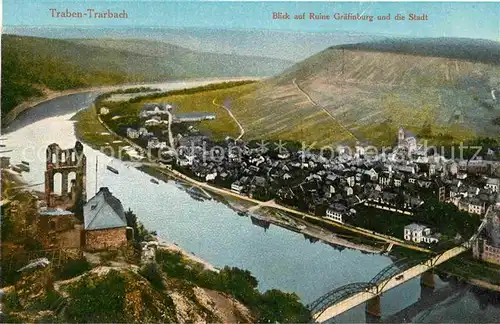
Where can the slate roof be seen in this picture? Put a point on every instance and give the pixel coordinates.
(103, 211)
(415, 227)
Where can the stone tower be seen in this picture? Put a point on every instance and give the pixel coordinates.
(66, 161)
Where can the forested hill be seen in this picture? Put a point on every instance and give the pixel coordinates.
(33, 65)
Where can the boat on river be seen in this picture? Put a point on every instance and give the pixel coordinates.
(23, 167)
(110, 168)
(153, 180)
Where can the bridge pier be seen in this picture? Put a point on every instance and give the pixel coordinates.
(369, 318)
(427, 280)
(373, 309)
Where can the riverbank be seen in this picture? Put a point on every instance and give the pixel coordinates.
(281, 219)
(173, 247)
(50, 95)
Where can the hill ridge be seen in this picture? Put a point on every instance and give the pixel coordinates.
(474, 50)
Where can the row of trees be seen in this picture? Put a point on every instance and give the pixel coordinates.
(208, 87)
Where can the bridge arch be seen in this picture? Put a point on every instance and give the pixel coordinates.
(336, 295)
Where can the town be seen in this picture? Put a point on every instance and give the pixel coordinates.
(344, 185)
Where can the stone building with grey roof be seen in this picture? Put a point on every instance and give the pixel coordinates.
(105, 224)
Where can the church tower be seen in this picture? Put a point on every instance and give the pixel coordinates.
(401, 136)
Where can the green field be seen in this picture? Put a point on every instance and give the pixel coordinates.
(89, 130)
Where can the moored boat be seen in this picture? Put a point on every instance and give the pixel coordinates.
(110, 168)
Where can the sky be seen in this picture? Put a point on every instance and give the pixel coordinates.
(445, 19)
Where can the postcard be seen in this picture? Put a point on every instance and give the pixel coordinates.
(250, 161)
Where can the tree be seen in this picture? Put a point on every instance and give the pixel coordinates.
(277, 306)
(239, 283)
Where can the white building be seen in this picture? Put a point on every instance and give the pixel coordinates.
(186, 160)
(337, 213)
(132, 133)
(237, 187)
(476, 206)
(104, 111)
(211, 176)
(372, 174)
(493, 184)
(284, 155)
(154, 110)
(384, 179)
(193, 117)
(419, 233)
(154, 142)
(152, 122)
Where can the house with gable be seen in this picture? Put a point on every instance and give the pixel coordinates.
(105, 224)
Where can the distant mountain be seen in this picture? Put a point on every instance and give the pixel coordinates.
(440, 89)
(32, 66)
(159, 60)
(287, 45)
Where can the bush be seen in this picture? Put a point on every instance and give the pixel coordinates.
(11, 301)
(73, 268)
(46, 302)
(279, 307)
(98, 300)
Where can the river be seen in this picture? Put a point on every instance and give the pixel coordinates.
(278, 258)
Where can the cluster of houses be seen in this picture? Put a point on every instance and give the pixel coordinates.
(157, 115)
(384, 182)
(332, 187)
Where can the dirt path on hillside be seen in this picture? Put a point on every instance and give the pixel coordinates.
(242, 130)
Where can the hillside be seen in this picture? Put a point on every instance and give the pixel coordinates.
(144, 281)
(29, 69)
(299, 45)
(32, 66)
(163, 59)
(475, 50)
(438, 89)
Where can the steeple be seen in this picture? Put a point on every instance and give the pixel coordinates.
(401, 136)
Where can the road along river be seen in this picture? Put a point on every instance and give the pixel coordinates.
(279, 258)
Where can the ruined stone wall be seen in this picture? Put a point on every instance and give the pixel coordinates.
(59, 231)
(71, 239)
(105, 238)
(66, 162)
